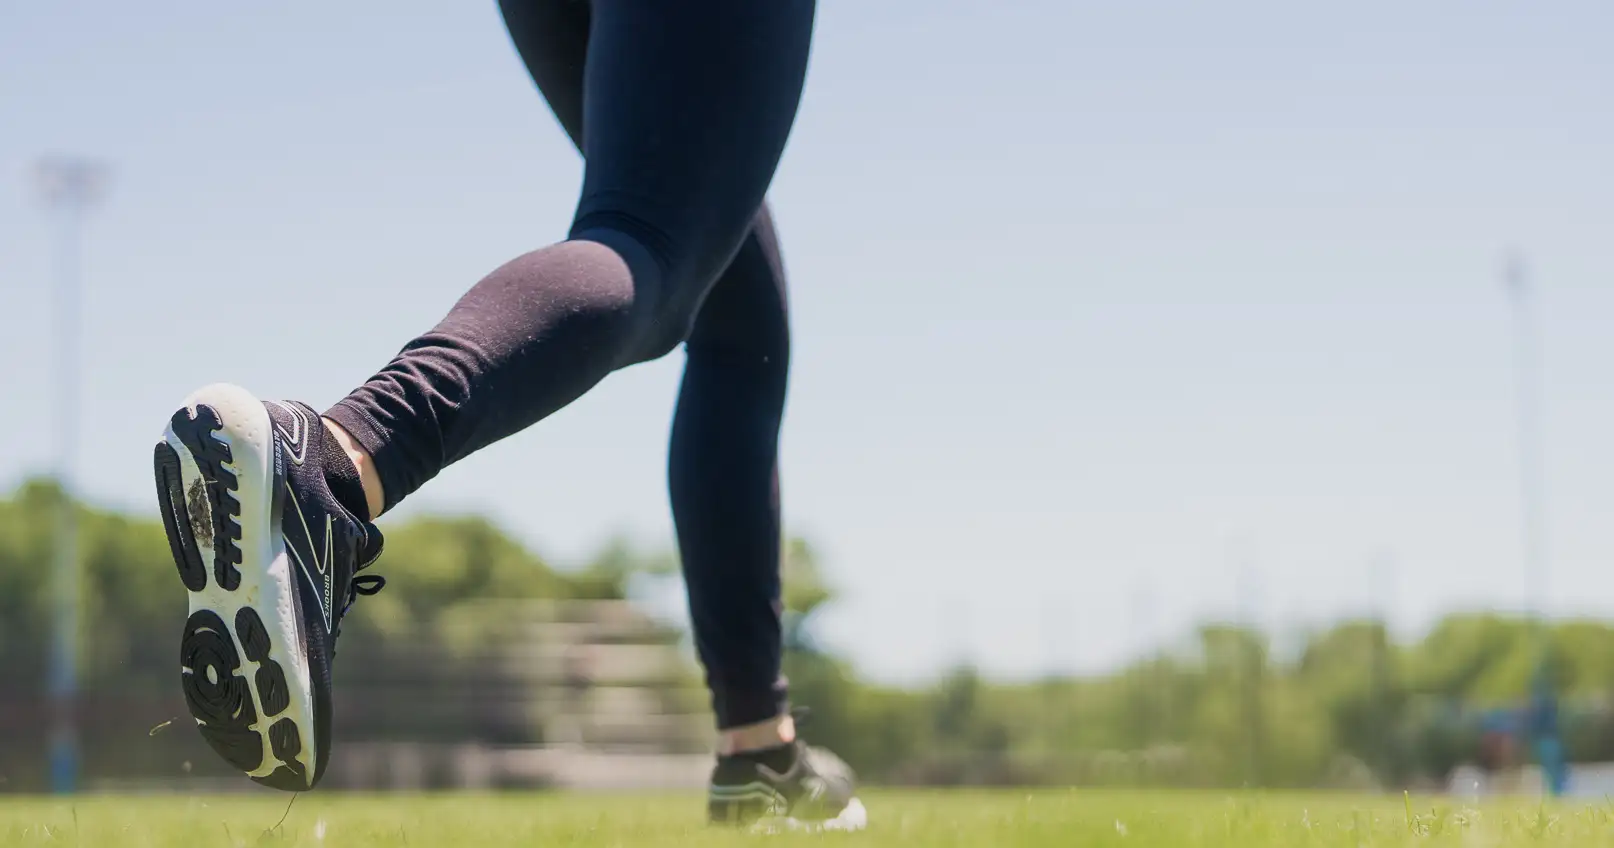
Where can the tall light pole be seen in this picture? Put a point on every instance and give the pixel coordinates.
(1543, 712)
(69, 188)
(1527, 396)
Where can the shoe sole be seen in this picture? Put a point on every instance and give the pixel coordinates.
(244, 673)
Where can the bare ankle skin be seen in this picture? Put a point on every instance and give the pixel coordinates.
(772, 733)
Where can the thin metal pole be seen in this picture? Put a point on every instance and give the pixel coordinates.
(1532, 485)
(69, 187)
(1543, 699)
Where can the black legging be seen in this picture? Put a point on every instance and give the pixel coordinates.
(681, 111)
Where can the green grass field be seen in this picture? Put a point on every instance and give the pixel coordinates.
(1030, 818)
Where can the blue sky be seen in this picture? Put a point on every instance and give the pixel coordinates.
(1098, 305)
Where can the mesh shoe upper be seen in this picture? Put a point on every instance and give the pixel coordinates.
(326, 547)
(817, 787)
(326, 544)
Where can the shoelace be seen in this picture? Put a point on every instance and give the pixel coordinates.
(361, 584)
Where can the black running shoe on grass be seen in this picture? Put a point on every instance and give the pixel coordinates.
(797, 787)
(269, 560)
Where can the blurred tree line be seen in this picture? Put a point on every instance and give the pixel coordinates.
(424, 629)
(1349, 708)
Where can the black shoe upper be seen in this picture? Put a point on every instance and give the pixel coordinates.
(327, 544)
(816, 786)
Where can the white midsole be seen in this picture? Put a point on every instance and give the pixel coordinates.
(854, 817)
(266, 580)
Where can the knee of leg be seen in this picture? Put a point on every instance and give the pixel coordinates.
(667, 282)
(631, 235)
(669, 330)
